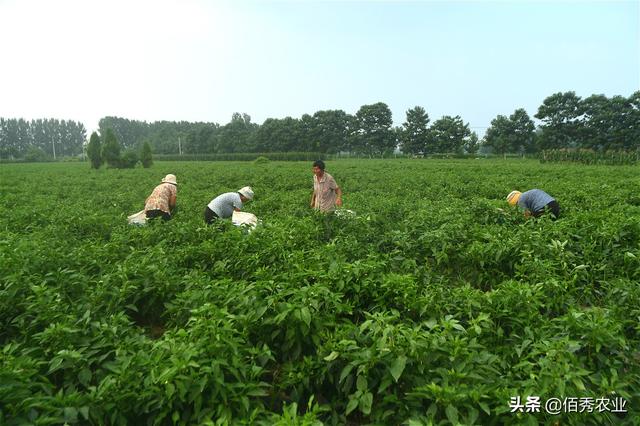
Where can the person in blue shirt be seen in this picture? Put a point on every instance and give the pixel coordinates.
(534, 202)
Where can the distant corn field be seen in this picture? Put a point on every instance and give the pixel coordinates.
(589, 156)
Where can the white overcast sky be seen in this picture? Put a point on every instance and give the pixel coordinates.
(204, 60)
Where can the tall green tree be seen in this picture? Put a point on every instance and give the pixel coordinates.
(329, 131)
(56, 138)
(561, 127)
(523, 137)
(513, 134)
(94, 151)
(165, 138)
(609, 123)
(24, 137)
(472, 145)
(352, 142)
(632, 121)
(621, 128)
(39, 134)
(9, 144)
(374, 135)
(498, 135)
(111, 149)
(279, 135)
(449, 134)
(4, 140)
(201, 139)
(304, 133)
(130, 133)
(415, 135)
(238, 135)
(52, 129)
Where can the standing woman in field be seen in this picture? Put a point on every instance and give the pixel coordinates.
(162, 200)
(326, 192)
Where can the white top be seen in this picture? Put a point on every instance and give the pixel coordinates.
(223, 205)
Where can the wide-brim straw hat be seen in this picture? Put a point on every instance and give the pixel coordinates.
(247, 192)
(170, 179)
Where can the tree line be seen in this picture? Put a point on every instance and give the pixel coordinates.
(41, 138)
(566, 121)
(369, 132)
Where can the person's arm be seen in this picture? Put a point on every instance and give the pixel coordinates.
(313, 199)
(525, 204)
(236, 205)
(173, 195)
(338, 196)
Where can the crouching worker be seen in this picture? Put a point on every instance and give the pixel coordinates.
(162, 200)
(535, 202)
(223, 206)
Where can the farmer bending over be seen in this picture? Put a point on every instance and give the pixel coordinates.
(162, 200)
(224, 205)
(534, 202)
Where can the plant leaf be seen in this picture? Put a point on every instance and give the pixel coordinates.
(398, 367)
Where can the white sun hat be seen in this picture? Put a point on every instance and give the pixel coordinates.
(247, 192)
(170, 179)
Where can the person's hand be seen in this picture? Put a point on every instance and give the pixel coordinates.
(339, 202)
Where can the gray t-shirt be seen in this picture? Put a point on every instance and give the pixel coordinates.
(224, 204)
(534, 200)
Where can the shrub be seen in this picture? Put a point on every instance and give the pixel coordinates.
(111, 149)
(129, 159)
(94, 149)
(261, 160)
(145, 155)
(36, 155)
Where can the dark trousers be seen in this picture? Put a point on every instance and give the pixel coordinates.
(209, 215)
(553, 207)
(152, 214)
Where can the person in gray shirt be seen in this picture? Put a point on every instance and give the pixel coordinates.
(223, 206)
(534, 202)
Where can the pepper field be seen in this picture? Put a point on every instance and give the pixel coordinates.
(431, 306)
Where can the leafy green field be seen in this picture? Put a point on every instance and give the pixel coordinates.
(430, 307)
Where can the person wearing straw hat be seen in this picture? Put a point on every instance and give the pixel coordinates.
(534, 202)
(223, 206)
(162, 200)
